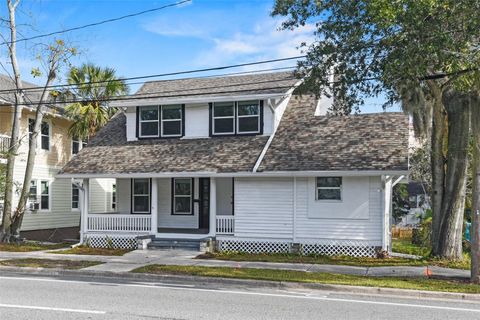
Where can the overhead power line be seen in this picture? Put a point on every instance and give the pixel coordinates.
(160, 75)
(93, 24)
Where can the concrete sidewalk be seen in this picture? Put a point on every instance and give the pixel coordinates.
(139, 258)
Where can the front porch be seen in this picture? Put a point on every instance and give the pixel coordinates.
(163, 208)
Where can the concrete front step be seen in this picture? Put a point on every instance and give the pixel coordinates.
(192, 244)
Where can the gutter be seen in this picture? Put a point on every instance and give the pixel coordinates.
(206, 174)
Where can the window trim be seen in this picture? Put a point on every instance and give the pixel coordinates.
(132, 195)
(140, 121)
(160, 122)
(235, 119)
(247, 116)
(40, 135)
(172, 200)
(78, 201)
(114, 196)
(78, 148)
(329, 188)
(40, 195)
(49, 136)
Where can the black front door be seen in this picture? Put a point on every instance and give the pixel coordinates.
(204, 205)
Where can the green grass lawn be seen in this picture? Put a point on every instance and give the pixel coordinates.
(406, 246)
(335, 260)
(314, 277)
(47, 263)
(30, 246)
(93, 251)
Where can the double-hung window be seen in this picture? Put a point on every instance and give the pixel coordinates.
(148, 122)
(241, 117)
(45, 136)
(329, 188)
(114, 196)
(160, 121)
(75, 197)
(141, 195)
(44, 133)
(32, 194)
(223, 121)
(75, 145)
(44, 195)
(248, 117)
(182, 196)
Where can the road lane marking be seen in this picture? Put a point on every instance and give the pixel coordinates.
(17, 306)
(221, 291)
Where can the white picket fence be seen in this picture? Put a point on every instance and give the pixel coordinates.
(119, 222)
(225, 224)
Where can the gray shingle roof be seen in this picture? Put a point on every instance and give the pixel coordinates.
(305, 142)
(111, 153)
(260, 83)
(30, 96)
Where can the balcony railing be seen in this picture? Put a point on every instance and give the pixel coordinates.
(119, 222)
(4, 143)
(225, 224)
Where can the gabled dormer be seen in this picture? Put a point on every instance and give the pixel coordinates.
(208, 107)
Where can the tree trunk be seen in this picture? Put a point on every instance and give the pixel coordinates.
(475, 229)
(5, 231)
(449, 241)
(32, 153)
(437, 163)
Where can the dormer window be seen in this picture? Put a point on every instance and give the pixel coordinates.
(248, 117)
(160, 121)
(242, 117)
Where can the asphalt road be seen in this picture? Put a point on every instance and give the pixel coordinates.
(32, 298)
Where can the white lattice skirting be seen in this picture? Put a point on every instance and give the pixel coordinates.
(117, 242)
(328, 248)
(339, 248)
(253, 246)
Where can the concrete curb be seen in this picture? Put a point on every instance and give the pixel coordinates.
(198, 280)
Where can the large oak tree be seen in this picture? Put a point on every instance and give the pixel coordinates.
(424, 54)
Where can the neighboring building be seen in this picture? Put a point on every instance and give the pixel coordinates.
(53, 206)
(243, 161)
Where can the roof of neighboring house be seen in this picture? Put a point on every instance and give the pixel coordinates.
(304, 142)
(110, 153)
(30, 96)
(249, 84)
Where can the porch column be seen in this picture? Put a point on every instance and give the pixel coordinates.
(387, 205)
(154, 207)
(84, 209)
(213, 207)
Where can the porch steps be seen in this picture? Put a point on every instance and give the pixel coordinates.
(187, 244)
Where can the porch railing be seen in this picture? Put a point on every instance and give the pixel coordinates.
(225, 224)
(4, 143)
(119, 222)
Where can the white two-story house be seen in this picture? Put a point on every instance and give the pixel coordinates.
(243, 161)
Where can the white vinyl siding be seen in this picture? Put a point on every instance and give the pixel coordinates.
(60, 214)
(165, 217)
(264, 209)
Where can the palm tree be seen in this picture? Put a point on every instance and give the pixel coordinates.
(92, 87)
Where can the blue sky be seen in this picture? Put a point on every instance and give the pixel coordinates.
(201, 34)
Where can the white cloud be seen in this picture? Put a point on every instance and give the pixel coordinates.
(264, 42)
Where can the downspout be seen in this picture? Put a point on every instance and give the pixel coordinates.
(82, 204)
